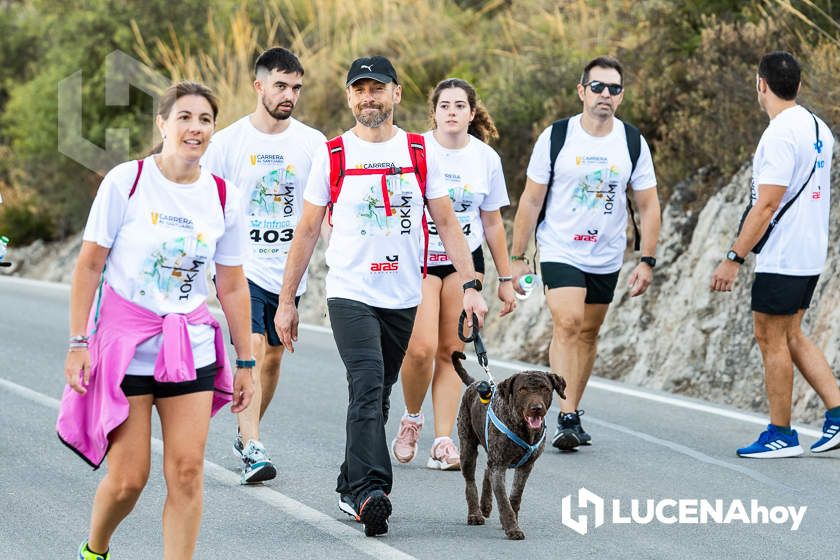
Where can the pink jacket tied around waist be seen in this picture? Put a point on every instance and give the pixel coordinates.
(84, 421)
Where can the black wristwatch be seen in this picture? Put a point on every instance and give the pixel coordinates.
(650, 261)
(733, 256)
(474, 284)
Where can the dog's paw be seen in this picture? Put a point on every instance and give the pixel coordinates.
(515, 534)
(474, 519)
(486, 508)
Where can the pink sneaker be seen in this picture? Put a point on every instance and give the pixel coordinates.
(444, 456)
(404, 446)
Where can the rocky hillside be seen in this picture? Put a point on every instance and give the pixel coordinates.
(678, 337)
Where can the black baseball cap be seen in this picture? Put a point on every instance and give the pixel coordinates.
(376, 68)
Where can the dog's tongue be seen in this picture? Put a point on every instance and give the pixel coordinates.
(534, 422)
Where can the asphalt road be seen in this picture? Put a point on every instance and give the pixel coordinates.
(646, 446)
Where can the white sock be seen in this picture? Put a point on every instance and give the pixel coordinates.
(440, 439)
(414, 417)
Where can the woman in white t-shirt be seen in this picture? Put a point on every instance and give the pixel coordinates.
(157, 224)
(473, 174)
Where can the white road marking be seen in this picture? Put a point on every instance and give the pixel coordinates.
(289, 506)
(694, 454)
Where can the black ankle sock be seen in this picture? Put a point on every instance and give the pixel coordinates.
(89, 549)
(834, 412)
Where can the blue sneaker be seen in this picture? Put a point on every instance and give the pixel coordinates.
(831, 436)
(773, 444)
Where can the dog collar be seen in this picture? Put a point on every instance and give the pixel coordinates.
(491, 417)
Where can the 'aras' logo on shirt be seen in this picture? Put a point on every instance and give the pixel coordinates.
(391, 264)
(591, 236)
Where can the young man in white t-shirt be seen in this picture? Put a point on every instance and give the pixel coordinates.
(375, 255)
(582, 240)
(268, 154)
(790, 190)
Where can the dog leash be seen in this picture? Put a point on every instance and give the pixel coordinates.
(485, 388)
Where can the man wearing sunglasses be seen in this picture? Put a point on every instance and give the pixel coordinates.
(575, 197)
(790, 194)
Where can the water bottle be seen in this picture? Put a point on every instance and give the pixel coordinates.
(526, 283)
(4, 243)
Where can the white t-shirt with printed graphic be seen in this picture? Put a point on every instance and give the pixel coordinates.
(373, 258)
(586, 207)
(271, 172)
(785, 156)
(474, 178)
(161, 241)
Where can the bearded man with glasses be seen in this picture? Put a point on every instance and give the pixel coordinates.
(574, 196)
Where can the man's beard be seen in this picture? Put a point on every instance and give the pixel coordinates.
(601, 111)
(281, 114)
(373, 120)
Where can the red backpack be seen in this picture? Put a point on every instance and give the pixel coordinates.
(417, 153)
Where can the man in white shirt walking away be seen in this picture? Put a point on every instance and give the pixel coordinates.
(786, 225)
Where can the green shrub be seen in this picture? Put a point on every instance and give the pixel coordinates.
(24, 223)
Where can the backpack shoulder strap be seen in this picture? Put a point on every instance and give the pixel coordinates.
(417, 152)
(335, 149)
(559, 130)
(634, 147)
(136, 178)
(221, 188)
(818, 148)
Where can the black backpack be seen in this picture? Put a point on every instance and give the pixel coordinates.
(634, 146)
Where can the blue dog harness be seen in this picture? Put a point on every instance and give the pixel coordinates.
(491, 416)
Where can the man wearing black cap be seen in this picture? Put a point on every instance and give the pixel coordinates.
(374, 179)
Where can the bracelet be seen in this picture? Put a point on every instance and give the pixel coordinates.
(505, 278)
(80, 338)
(246, 364)
(521, 257)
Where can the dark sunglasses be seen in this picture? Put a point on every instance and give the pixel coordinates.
(598, 87)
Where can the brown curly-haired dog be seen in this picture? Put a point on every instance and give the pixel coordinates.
(521, 401)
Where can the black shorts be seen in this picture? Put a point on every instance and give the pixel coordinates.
(135, 385)
(444, 270)
(263, 310)
(780, 294)
(599, 287)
